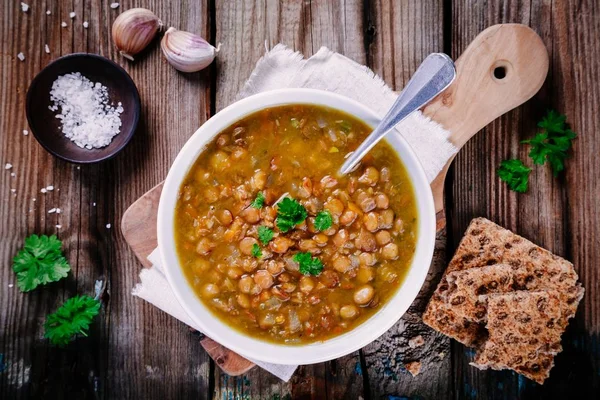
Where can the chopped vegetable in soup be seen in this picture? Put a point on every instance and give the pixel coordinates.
(280, 247)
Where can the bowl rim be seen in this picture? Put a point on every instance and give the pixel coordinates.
(136, 99)
(302, 354)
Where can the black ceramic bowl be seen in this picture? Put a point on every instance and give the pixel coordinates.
(47, 128)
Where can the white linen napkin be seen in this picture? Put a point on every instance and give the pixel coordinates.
(281, 67)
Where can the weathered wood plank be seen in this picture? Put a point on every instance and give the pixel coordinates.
(546, 213)
(401, 35)
(121, 358)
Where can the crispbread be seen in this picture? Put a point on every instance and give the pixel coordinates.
(524, 333)
(484, 244)
(467, 288)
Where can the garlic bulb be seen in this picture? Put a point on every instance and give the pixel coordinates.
(133, 30)
(186, 51)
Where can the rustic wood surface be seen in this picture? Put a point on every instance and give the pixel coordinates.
(136, 351)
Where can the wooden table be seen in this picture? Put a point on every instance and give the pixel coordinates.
(135, 350)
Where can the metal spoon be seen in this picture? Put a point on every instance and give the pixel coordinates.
(432, 77)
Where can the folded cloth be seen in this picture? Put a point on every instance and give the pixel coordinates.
(279, 68)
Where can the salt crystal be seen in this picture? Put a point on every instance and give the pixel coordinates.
(52, 211)
(25, 132)
(94, 204)
(85, 24)
(48, 12)
(63, 24)
(114, 5)
(72, 14)
(13, 174)
(10, 285)
(58, 210)
(8, 166)
(49, 188)
(107, 226)
(13, 190)
(58, 226)
(47, 49)
(88, 119)
(24, 7)
(43, 190)
(33, 199)
(21, 56)
(78, 167)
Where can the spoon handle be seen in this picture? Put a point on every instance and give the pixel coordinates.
(434, 75)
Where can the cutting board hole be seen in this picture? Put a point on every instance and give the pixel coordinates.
(500, 72)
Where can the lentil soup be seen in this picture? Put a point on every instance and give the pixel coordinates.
(278, 246)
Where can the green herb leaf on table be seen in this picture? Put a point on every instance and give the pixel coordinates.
(289, 214)
(308, 264)
(256, 251)
(73, 317)
(259, 201)
(553, 143)
(41, 261)
(323, 220)
(265, 235)
(515, 174)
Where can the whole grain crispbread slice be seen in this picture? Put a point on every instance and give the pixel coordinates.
(524, 333)
(468, 288)
(486, 243)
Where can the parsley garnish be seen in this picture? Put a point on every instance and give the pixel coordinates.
(289, 214)
(265, 234)
(40, 262)
(323, 220)
(259, 201)
(308, 264)
(256, 251)
(515, 174)
(345, 125)
(73, 317)
(552, 143)
(295, 123)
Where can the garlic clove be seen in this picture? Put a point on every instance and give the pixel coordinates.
(187, 52)
(133, 30)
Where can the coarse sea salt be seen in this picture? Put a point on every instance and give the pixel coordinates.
(21, 56)
(87, 117)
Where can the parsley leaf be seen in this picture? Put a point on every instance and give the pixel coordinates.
(345, 125)
(73, 317)
(295, 123)
(265, 235)
(289, 214)
(256, 251)
(308, 264)
(40, 262)
(323, 220)
(259, 201)
(515, 174)
(552, 143)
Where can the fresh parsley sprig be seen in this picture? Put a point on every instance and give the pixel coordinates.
(41, 261)
(515, 174)
(552, 143)
(73, 317)
(256, 251)
(265, 234)
(289, 214)
(323, 220)
(259, 201)
(308, 265)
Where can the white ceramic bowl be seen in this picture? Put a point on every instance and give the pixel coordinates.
(338, 346)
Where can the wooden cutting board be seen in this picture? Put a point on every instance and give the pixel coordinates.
(501, 69)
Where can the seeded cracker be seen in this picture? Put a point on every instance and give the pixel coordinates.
(484, 244)
(524, 333)
(467, 289)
